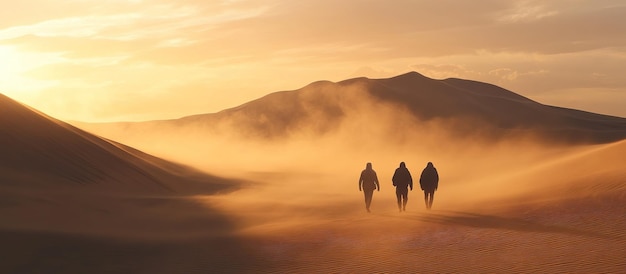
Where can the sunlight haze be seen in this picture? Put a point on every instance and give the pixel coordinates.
(145, 60)
(356, 136)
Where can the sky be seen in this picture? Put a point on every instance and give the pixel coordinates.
(135, 60)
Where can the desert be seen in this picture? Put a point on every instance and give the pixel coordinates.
(271, 186)
(274, 136)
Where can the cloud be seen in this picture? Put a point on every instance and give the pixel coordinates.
(324, 29)
(246, 49)
(527, 11)
(383, 30)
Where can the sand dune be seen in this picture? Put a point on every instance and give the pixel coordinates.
(550, 216)
(50, 167)
(44, 152)
(524, 187)
(598, 170)
(72, 202)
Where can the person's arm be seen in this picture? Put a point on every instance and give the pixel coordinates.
(360, 181)
(376, 181)
(436, 179)
(410, 179)
(422, 180)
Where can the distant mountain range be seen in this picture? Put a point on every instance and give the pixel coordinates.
(460, 106)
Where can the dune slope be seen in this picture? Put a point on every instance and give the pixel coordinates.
(72, 202)
(40, 150)
(564, 213)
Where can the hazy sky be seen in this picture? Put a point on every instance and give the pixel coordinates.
(136, 60)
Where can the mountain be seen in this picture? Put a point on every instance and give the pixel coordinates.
(495, 107)
(406, 103)
(460, 106)
(37, 150)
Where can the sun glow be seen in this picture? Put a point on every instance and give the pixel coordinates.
(14, 67)
(10, 64)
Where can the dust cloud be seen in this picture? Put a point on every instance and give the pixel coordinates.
(304, 169)
(284, 192)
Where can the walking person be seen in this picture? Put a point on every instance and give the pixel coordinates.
(367, 183)
(429, 182)
(402, 180)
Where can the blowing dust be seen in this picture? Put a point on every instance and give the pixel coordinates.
(312, 176)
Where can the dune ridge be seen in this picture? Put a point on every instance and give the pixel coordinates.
(37, 146)
(518, 193)
(73, 202)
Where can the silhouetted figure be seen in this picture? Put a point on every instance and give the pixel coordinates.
(429, 182)
(402, 180)
(367, 183)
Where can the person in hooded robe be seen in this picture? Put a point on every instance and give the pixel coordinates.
(429, 182)
(402, 180)
(368, 182)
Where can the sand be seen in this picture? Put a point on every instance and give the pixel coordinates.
(135, 235)
(574, 229)
(74, 202)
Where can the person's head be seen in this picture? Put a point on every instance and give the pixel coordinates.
(402, 165)
(368, 166)
(429, 164)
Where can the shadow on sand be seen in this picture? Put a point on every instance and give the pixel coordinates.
(476, 220)
(170, 250)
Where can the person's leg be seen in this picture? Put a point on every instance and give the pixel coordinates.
(399, 198)
(426, 198)
(368, 199)
(406, 199)
(431, 198)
